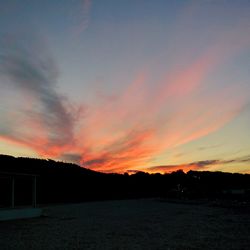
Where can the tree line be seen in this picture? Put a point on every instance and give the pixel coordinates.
(60, 182)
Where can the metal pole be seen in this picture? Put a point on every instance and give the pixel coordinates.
(12, 191)
(34, 192)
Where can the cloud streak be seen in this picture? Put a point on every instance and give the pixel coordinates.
(197, 165)
(47, 122)
(150, 116)
(81, 15)
(118, 133)
(139, 124)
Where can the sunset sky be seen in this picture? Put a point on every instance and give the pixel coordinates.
(127, 85)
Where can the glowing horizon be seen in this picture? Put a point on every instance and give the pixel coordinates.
(161, 88)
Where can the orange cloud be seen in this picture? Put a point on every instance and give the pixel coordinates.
(171, 168)
(126, 131)
(198, 165)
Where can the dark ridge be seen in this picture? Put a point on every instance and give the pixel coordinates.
(60, 182)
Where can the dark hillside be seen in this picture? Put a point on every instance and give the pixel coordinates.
(65, 182)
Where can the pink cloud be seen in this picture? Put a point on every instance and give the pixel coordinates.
(129, 129)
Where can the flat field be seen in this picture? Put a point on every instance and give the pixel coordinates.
(131, 224)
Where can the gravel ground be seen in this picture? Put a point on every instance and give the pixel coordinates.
(130, 224)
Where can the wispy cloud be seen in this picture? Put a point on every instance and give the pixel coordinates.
(81, 15)
(118, 133)
(197, 165)
(209, 147)
(147, 118)
(131, 128)
(47, 122)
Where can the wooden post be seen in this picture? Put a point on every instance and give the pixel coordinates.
(34, 191)
(12, 192)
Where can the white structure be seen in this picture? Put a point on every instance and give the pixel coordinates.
(12, 212)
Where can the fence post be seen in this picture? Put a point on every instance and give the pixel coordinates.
(34, 191)
(12, 192)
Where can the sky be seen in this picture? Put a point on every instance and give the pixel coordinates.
(127, 85)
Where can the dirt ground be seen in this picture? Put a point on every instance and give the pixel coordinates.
(130, 224)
